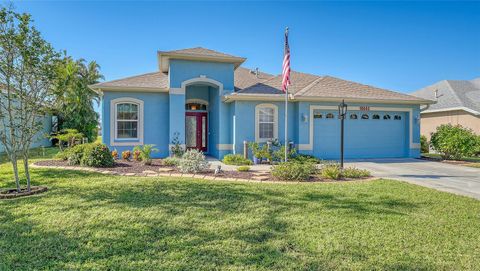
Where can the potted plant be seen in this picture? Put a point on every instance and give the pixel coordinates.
(256, 152)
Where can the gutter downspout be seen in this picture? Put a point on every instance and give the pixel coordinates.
(427, 106)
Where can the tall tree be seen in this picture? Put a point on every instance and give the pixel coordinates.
(26, 77)
(74, 99)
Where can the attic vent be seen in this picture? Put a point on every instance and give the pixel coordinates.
(254, 72)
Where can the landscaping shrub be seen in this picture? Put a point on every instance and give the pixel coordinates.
(243, 168)
(293, 171)
(171, 161)
(279, 154)
(331, 171)
(75, 154)
(115, 154)
(176, 146)
(305, 158)
(136, 155)
(144, 153)
(126, 155)
(62, 155)
(454, 142)
(424, 144)
(355, 173)
(68, 137)
(193, 161)
(97, 155)
(236, 160)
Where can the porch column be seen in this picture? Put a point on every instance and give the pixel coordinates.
(177, 117)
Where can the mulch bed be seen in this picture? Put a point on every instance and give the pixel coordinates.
(12, 193)
(122, 167)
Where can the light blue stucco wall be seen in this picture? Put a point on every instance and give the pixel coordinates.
(156, 120)
(183, 70)
(42, 139)
(244, 113)
(219, 112)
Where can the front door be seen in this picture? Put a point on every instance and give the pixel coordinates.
(196, 130)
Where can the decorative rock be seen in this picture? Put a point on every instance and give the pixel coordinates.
(260, 178)
(188, 175)
(149, 172)
(259, 173)
(130, 174)
(176, 175)
(165, 169)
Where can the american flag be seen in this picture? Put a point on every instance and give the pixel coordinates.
(286, 65)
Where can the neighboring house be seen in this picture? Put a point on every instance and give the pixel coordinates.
(209, 102)
(42, 139)
(457, 102)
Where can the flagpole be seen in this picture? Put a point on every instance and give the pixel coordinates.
(286, 124)
(286, 111)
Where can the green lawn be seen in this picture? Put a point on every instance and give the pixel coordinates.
(96, 222)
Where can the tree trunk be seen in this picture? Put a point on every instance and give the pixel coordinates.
(15, 173)
(27, 171)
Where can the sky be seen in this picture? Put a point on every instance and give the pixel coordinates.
(402, 46)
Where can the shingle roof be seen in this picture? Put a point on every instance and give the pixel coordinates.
(153, 80)
(198, 51)
(246, 83)
(274, 85)
(332, 87)
(453, 94)
(245, 78)
(312, 86)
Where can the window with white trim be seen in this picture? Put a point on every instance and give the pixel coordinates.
(266, 122)
(127, 120)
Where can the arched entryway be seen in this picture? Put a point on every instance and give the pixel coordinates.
(202, 102)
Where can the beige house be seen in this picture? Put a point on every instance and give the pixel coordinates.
(457, 102)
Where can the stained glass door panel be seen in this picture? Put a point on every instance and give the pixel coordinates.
(191, 131)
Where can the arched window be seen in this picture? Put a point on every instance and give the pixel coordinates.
(397, 117)
(353, 116)
(266, 118)
(376, 117)
(386, 117)
(195, 107)
(330, 116)
(365, 117)
(127, 120)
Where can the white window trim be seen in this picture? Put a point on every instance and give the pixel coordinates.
(257, 122)
(114, 141)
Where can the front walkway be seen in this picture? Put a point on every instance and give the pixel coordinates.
(455, 179)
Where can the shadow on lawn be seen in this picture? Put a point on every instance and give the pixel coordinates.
(151, 224)
(363, 205)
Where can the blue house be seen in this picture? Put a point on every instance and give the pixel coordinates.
(205, 99)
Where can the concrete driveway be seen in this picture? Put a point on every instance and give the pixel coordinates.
(456, 179)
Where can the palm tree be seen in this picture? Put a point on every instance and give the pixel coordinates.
(74, 99)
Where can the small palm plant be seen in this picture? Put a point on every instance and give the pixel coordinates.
(146, 153)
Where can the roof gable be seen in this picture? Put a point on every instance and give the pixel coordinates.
(197, 54)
